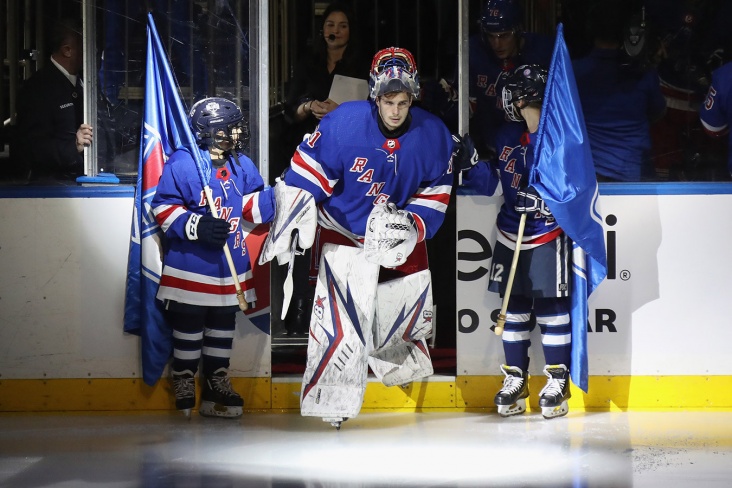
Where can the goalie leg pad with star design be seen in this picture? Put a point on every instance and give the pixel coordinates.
(403, 321)
(340, 334)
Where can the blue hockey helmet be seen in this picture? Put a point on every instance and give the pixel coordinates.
(501, 16)
(211, 116)
(393, 70)
(527, 82)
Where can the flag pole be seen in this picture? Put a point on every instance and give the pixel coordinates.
(243, 305)
(507, 294)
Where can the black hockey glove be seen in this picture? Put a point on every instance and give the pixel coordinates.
(208, 230)
(529, 201)
(464, 155)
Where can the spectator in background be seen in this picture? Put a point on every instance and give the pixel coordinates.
(620, 98)
(716, 112)
(51, 134)
(335, 53)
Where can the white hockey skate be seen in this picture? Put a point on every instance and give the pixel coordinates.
(511, 398)
(218, 398)
(184, 388)
(553, 397)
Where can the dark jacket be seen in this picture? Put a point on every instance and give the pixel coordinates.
(50, 111)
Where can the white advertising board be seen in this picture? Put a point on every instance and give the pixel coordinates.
(665, 308)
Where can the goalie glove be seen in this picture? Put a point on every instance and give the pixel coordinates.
(208, 230)
(529, 201)
(295, 210)
(390, 236)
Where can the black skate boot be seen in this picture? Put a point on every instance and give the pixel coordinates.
(218, 399)
(511, 398)
(184, 388)
(553, 397)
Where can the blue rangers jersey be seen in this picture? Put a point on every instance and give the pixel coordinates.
(349, 166)
(194, 273)
(485, 85)
(716, 111)
(513, 163)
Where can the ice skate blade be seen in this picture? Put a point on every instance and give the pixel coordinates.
(211, 409)
(335, 421)
(186, 413)
(514, 409)
(553, 412)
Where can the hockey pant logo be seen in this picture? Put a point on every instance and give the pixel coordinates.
(357, 323)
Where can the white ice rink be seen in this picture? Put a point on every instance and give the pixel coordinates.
(584, 449)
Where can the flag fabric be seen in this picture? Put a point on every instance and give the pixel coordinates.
(564, 176)
(165, 129)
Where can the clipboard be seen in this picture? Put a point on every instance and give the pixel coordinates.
(346, 88)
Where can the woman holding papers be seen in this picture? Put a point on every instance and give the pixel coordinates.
(335, 53)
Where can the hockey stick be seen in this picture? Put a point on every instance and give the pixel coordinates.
(507, 294)
(287, 287)
(243, 305)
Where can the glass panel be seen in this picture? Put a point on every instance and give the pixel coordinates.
(206, 42)
(207, 46)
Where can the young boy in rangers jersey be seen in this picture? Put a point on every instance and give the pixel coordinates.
(196, 285)
(541, 282)
(380, 173)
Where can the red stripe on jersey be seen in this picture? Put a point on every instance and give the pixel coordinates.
(443, 198)
(299, 161)
(194, 286)
(163, 216)
(544, 238)
(247, 210)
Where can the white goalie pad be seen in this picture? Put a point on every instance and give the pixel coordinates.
(403, 310)
(403, 320)
(390, 236)
(402, 364)
(340, 334)
(295, 211)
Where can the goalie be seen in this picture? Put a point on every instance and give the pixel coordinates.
(380, 174)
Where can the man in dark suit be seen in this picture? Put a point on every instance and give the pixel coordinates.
(51, 135)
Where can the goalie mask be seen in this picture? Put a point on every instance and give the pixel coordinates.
(527, 83)
(218, 122)
(393, 70)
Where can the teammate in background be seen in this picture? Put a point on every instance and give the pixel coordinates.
(380, 173)
(51, 133)
(336, 52)
(500, 46)
(620, 99)
(716, 112)
(693, 36)
(541, 282)
(196, 285)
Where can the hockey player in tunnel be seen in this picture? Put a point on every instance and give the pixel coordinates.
(500, 46)
(541, 282)
(380, 173)
(196, 285)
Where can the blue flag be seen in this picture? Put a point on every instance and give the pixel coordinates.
(564, 176)
(165, 129)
